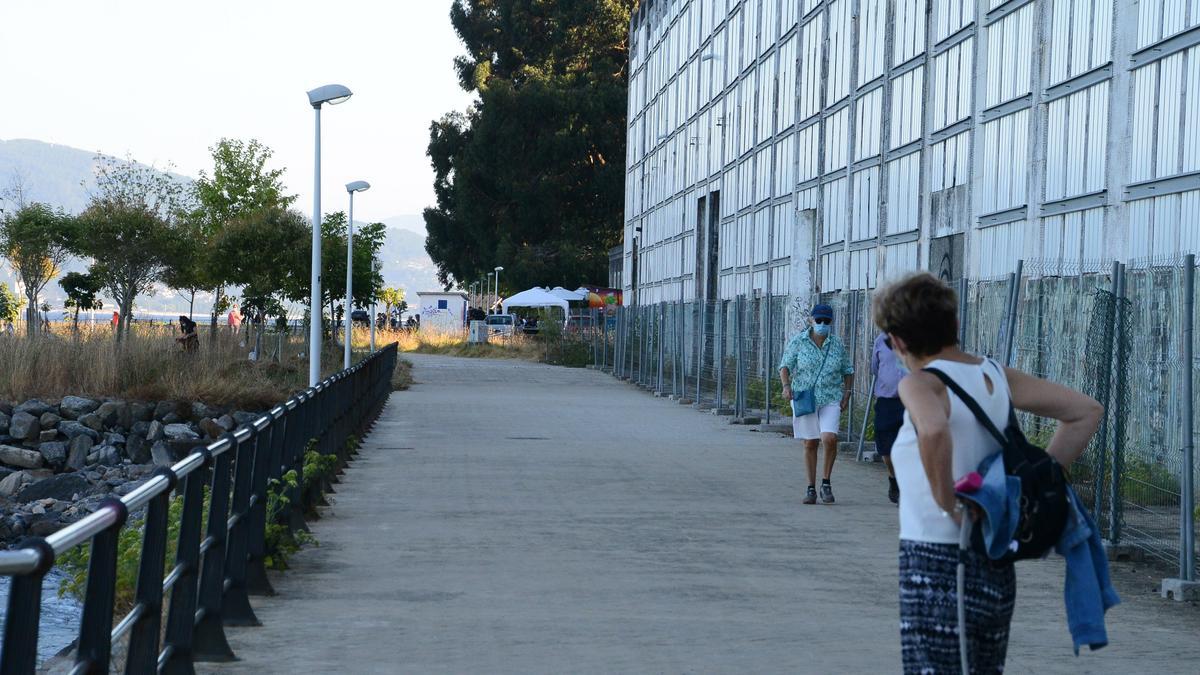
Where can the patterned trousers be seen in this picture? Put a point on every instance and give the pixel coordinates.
(929, 609)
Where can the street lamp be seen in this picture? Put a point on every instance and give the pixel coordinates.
(489, 289)
(498, 271)
(377, 266)
(332, 94)
(356, 186)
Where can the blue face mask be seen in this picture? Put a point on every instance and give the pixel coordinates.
(822, 328)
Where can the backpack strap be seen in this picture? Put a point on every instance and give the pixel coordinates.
(971, 404)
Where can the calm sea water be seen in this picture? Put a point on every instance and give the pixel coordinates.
(60, 616)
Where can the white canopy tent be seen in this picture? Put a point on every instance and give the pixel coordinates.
(536, 298)
(569, 296)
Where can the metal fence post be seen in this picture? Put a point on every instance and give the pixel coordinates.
(964, 289)
(235, 601)
(719, 354)
(1118, 455)
(739, 389)
(662, 333)
(854, 303)
(769, 359)
(144, 635)
(1014, 305)
(209, 639)
(181, 617)
(1101, 460)
(701, 322)
(1187, 552)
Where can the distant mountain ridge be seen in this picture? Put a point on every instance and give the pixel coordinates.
(62, 177)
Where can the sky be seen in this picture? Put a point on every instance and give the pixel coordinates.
(162, 80)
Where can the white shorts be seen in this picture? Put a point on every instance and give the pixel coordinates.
(824, 421)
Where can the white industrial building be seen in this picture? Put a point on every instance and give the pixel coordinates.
(801, 146)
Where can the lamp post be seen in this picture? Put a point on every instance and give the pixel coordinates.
(498, 271)
(356, 186)
(377, 266)
(332, 94)
(489, 290)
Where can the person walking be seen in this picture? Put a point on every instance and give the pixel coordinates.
(940, 442)
(816, 362)
(889, 409)
(235, 319)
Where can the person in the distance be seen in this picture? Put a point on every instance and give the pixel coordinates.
(816, 359)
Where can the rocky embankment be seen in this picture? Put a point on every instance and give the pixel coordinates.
(59, 460)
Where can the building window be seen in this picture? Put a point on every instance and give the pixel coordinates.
(442, 304)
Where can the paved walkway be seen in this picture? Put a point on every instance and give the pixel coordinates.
(505, 517)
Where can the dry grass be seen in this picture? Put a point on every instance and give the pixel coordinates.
(151, 366)
(455, 343)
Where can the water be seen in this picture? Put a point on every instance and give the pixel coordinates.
(60, 616)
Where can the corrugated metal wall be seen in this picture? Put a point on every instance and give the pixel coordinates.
(838, 139)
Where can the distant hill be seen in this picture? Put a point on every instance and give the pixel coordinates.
(62, 176)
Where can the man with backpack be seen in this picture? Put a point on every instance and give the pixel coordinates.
(946, 436)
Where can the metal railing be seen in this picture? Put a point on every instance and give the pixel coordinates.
(214, 572)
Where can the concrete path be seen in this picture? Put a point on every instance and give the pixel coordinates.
(505, 517)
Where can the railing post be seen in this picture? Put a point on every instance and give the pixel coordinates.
(769, 360)
(701, 323)
(1106, 394)
(181, 617)
(235, 602)
(95, 628)
(23, 617)
(1011, 319)
(144, 635)
(209, 640)
(739, 371)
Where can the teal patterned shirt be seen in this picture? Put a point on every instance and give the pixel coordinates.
(802, 357)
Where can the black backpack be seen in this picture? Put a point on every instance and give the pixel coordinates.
(1044, 501)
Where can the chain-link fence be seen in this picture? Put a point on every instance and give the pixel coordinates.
(1116, 332)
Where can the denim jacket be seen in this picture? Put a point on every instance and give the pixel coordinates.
(1087, 591)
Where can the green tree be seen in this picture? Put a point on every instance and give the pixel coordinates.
(188, 260)
(82, 293)
(267, 253)
(37, 240)
(241, 184)
(10, 304)
(392, 297)
(532, 177)
(129, 230)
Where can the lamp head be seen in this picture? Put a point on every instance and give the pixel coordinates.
(332, 94)
(499, 269)
(358, 186)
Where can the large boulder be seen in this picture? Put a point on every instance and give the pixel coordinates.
(34, 407)
(49, 421)
(72, 429)
(105, 455)
(47, 436)
(54, 454)
(74, 407)
(141, 412)
(163, 409)
(156, 431)
(172, 418)
(180, 432)
(115, 414)
(226, 422)
(81, 447)
(160, 454)
(241, 417)
(20, 457)
(24, 426)
(93, 422)
(114, 438)
(211, 428)
(200, 411)
(137, 449)
(63, 487)
(13, 483)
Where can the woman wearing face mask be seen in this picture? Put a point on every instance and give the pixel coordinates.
(817, 360)
(941, 441)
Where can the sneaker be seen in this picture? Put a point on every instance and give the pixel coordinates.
(894, 492)
(810, 497)
(826, 493)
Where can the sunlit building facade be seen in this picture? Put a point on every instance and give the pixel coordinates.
(804, 146)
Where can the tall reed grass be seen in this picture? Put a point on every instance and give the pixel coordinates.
(150, 365)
